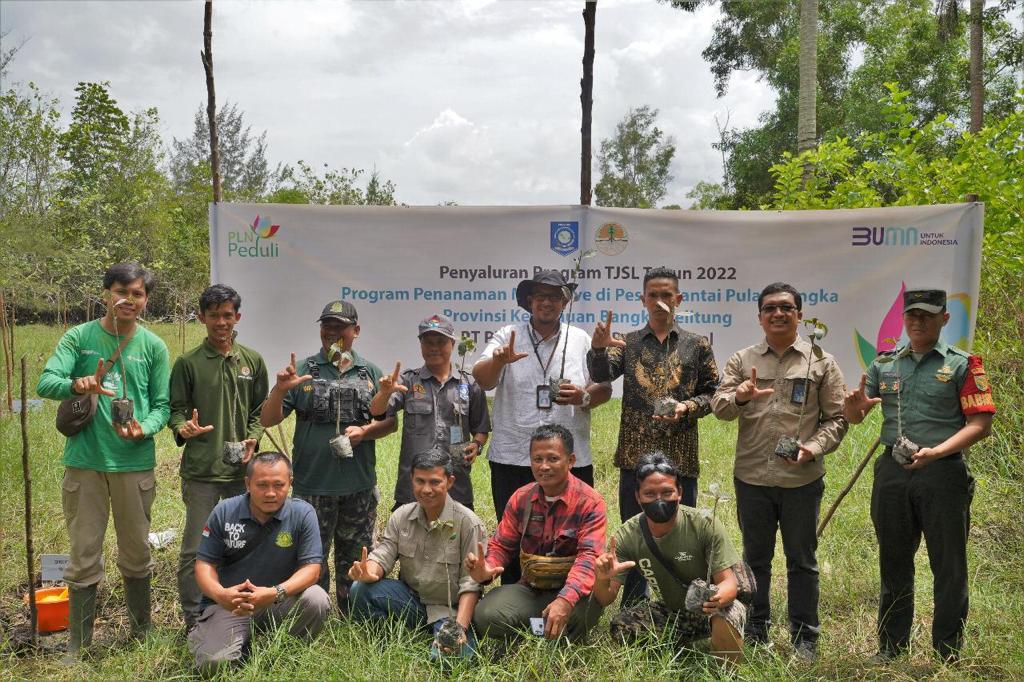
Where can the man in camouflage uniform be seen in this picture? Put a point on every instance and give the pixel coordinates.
(331, 397)
(936, 402)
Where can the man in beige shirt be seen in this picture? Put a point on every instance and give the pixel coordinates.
(768, 388)
(428, 538)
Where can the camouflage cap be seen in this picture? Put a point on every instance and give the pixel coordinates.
(929, 300)
(440, 324)
(343, 311)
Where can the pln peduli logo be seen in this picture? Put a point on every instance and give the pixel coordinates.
(955, 332)
(565, 236)
(255, 241)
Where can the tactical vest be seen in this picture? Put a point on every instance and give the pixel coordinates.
(349, 395)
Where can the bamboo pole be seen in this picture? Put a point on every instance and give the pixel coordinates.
(849, 486)
(27, 473)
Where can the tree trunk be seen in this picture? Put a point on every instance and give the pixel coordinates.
(587, 100)
(8, 355)
(26, 472)
(806, 131)
(976, 67)
(211, 98)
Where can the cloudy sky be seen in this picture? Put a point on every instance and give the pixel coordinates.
(475, 102)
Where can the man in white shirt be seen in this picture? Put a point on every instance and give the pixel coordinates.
(521, 378)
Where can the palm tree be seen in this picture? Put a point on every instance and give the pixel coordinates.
(807, 116)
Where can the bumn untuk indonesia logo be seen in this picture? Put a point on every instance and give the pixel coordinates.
(954, 333)
(253, 243)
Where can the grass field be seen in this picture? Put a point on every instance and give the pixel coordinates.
(847, 557)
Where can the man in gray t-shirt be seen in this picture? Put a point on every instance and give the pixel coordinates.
(259, 560)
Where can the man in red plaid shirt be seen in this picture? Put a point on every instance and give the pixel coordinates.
(560, 522)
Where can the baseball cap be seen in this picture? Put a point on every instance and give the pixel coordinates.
(343, 311)
(929, 300)
(440, 324)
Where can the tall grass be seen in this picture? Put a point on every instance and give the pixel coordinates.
(847, 557)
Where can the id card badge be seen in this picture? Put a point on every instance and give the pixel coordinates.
(455, 434)
(544, 397)
(799, 394)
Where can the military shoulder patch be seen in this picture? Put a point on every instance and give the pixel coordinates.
(284, 539)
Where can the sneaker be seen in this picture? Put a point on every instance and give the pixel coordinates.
(805, 652)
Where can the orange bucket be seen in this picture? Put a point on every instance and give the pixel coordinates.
(52, 609)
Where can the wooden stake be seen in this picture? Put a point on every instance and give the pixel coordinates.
(849, 486)
(8, 357)
(27, 473)
(211, 98)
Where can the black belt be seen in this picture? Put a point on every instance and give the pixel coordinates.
(953, 457)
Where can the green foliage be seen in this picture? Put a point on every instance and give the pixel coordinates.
(861, 45)
(335, 187)
(634, 163)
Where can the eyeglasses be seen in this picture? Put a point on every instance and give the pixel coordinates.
(556, 296)
(784, 308)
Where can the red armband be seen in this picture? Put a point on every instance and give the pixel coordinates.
(976, 394)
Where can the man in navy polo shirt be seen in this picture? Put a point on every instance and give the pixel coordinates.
(259, 561)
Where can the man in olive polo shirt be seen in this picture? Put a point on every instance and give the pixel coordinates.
(258, 563)
(937, 397)
(444, 407)
(217, 389)
(330, 393)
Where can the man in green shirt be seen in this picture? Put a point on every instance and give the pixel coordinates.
(331, 400)
(222, 384)
(688, 546)
(109, 467)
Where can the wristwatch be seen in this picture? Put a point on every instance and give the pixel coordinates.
(281, 594)
(586, 399)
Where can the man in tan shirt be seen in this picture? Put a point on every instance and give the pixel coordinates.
(768, 388)
(429, 538)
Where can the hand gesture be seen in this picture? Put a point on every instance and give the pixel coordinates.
(570, 394)
(236, 599)
(555, 615)
(130, 431)
(506, 355)
(191, 428)
(288, 378)
(603, 337)
(355, 434)
(608, 565)
(471, 451)
(748, 390)
(361, 570)
(857, 402)
(391, 383)
(478, 568)
(802, 457)
(250, 449)
(922, 458)
(682, 408)
(91, 384)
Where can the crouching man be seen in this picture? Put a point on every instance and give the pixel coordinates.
(428, 538)
(672, 545)
(258, 563)
(557, 526)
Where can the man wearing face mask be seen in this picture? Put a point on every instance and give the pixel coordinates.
(780, 387)
(671, 545)
(330, 393)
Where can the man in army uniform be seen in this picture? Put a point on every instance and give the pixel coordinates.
(443, 407)
(335, 458)
(936, 402)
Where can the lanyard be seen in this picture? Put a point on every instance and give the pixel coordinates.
(536, 345)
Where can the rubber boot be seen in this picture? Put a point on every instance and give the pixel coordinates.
(81, 614)
(136, 593)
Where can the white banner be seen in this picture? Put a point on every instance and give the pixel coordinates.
(399, 265)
